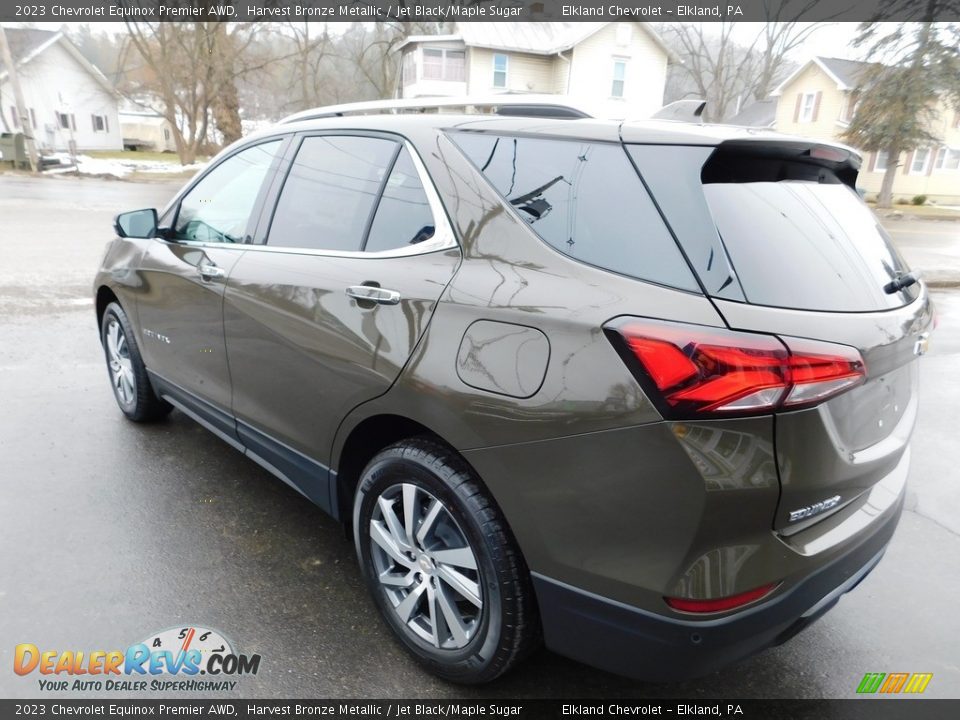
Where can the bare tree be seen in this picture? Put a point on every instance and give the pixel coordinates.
(178, 72)
(728, 72)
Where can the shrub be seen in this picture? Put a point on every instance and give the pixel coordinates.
(919, 200)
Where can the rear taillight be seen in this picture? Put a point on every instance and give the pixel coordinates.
(693, 370)
(730, 602)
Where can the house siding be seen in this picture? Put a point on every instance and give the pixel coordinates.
(829, 118)
(644, 80)
(525, 73)
(53, 82)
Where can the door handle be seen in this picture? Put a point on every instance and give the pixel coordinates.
(371, 293)
(209, 271)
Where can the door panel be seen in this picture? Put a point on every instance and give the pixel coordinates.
(181, 316)
(303, 352)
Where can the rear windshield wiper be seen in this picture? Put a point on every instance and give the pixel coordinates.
(901, 282)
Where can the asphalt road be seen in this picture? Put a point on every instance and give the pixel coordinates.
(110, 531)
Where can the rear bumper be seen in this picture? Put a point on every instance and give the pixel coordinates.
(629, 641)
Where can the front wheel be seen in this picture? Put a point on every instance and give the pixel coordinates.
(128, 374)
(441, 563)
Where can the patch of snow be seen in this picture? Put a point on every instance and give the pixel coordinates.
(87, 165)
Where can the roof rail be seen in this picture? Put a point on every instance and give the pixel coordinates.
(553, 106)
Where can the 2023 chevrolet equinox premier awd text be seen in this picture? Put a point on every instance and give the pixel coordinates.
(643, 392)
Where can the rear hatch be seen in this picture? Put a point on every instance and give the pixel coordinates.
(784, 246)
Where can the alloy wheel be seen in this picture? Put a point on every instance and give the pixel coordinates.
(426, 567)
(120, 364)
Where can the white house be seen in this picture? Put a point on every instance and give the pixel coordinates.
(67, 99)
(617, 68)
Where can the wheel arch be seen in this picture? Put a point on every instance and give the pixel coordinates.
(105, 296)
(364, 440)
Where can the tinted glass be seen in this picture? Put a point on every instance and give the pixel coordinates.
(806, 245)
(403, 217)
(584, 199)
(330, 192)
(218, 207)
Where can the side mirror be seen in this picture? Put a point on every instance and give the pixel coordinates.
(136, 223)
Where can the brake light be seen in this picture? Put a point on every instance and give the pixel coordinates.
(692, 370)
(720, 604)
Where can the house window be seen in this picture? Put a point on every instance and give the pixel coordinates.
(853, 100)
(499, 70)
(624, 34)
(66, 121)
(880, 164)
(442, 64)
(948, 159)
(921, 158)
(99, 123)
(619, 75)
(808, 107)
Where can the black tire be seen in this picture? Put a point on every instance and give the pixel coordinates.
(507, 627)
(137, 399)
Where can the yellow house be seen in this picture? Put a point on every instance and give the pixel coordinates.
(818, 100)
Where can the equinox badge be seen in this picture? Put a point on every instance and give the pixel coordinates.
(814, 509)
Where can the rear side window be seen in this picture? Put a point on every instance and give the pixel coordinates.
(584, 199)
(330, 192)
(403, 215)
(808, 244)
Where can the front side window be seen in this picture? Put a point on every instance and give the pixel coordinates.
(619, 75)
(585, 200)
(218, 207)
(500, 70)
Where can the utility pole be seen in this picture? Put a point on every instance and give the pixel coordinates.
(25, 124)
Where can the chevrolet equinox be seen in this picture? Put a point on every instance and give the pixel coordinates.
(642, 392)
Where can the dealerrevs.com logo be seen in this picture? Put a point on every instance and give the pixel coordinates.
(171, 660)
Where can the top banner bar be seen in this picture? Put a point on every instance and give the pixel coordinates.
(92, 11)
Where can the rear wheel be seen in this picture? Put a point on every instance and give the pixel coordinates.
(128, 375)
(441, 563)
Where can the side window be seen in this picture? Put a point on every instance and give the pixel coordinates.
(218, 207)
(330, 192)
(403, 216)
(585, 199)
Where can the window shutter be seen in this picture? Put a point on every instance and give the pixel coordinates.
(93, 122)
(796, 110)
(106, 123)
(816, 106)
(873, 162)
(909, 162)
(73, 121)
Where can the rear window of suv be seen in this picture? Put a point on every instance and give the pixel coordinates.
(794, 233)
(584, 199)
